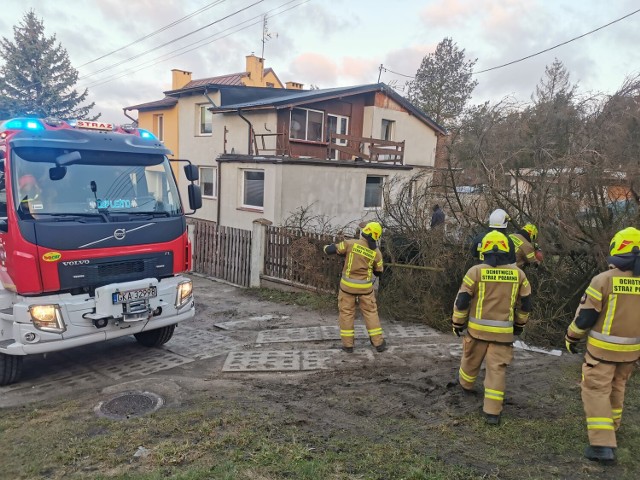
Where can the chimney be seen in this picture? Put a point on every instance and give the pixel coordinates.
(294, 85)
(179, 78)
(255, 67)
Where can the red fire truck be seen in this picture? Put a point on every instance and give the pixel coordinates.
(93, 238)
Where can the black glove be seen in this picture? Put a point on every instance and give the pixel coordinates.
(517, 329)
(571, 344)
(458, 330)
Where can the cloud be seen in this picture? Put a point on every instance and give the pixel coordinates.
(314, 68)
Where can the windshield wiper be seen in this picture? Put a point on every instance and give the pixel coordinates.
(148, 214)
(73, 217)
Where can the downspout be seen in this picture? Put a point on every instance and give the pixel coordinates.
(219, 185)
(135, 122)
(219, 169)
(249, 148)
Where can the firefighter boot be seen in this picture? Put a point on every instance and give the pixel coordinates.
(604, 455)
(492, 419)
(382, 347)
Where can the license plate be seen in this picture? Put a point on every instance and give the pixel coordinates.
(133, 295)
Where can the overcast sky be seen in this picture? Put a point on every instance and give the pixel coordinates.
(330, 43)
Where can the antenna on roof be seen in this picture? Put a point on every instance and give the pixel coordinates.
(266, 35)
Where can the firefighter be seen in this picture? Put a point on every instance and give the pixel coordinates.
(493, 304)
(527, 251)
(608, 317)
(362, 260)
(498, 220)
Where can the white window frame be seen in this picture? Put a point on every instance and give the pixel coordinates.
(339, 141)
(214, 182)
(199, 124)
(382, 182)
(391, 129)
(306, 126)
(159, 126)
(244, 189)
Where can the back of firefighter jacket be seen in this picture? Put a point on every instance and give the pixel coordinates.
(359, 264)
(495, 302)
(615, 337)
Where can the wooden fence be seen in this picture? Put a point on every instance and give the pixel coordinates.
(297, 258)
(221, 252)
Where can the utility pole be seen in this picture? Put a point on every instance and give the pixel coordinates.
(380, 72)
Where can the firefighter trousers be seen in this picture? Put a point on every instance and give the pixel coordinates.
(369, 309)
(603, 385)
(497, 357)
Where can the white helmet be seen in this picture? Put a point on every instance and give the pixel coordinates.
(498, 219)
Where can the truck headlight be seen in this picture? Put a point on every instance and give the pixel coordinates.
(47, 318)
(185, 290)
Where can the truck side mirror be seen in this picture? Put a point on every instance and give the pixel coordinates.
(191, 172)
(195, 197)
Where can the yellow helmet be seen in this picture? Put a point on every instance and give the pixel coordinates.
(625, 241)
(373, 229)
(494, 242)
(532, 230)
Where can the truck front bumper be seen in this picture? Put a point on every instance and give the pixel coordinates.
(21, 337)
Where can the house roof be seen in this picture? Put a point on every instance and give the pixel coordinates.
(164, 103)
(232, 101)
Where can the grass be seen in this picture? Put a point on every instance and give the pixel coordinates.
(208, 438)
(311, 300)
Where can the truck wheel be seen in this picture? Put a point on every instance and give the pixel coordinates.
(10, 368)
(155, 338)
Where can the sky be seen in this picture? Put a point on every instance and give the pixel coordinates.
(333, 43)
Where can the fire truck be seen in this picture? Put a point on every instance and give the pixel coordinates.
(93, 238)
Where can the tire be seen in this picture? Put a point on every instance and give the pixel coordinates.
(10, 368)
(155, 338)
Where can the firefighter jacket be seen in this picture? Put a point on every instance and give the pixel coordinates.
(525, 251)
(615, 336)
(359, 265)
(495, 302)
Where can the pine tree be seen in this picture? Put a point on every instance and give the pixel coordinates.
(37, 77)
(443, 83)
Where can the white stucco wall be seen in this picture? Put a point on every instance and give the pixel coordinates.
(334, 192)
(420, 139)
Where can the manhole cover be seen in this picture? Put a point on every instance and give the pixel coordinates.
(128, 405)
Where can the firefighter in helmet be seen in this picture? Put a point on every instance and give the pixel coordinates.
(527, 251)
(608, 317)
(498, 221)
(493, 305)
(362, 260)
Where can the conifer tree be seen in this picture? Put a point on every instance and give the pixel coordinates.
(37, 78)
(443, 83)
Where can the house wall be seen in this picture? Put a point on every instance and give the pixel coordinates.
(420, 140)
(335, 192)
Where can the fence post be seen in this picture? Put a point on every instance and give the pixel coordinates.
(258, 250)
(191, 235)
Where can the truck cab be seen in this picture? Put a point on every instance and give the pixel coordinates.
(93, 238)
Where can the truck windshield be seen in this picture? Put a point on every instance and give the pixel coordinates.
(49, 182)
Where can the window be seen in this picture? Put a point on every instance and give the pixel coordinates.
(270, 85)
(337, 124)
(159, 126)
(387, 129)
(373, 192)
(253, 189)
(205, 122)
(208, 181)
(306, 124)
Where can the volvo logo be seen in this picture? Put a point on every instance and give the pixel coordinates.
(76, 262)
(119, 234)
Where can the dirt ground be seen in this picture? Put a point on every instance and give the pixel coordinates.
(408, 384)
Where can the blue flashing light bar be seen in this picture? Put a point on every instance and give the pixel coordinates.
(146, 134)
(23, 124)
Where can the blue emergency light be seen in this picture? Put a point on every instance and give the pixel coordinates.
(23, 124)
(146, 134)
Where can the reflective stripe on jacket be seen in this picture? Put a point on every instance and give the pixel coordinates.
(615, 337)
(359, 265)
